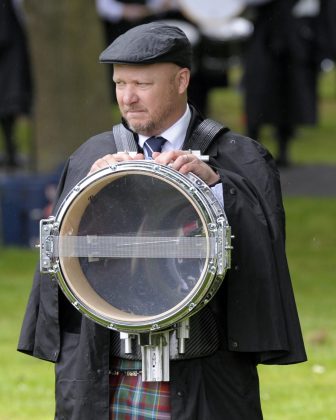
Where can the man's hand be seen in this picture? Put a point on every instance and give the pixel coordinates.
(184, 162)
(108, 160)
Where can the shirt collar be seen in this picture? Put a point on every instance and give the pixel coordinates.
(175, 134)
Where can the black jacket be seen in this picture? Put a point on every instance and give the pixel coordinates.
(255, 306)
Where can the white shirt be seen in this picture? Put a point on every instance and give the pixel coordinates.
(175, 136)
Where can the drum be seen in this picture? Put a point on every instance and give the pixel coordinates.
(223, 45)
(223, 35)
(137, 247)
(211, 12)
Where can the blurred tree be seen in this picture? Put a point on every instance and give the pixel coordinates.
(72, 97)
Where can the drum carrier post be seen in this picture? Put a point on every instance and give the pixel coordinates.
(155, 350)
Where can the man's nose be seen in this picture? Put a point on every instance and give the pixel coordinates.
(129, 96)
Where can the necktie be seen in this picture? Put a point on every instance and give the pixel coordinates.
(153, 144)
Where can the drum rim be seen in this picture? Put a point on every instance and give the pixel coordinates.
(194, 188)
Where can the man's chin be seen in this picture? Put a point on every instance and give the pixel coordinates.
(139, 127)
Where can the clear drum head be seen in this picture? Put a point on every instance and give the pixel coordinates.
(134, 248)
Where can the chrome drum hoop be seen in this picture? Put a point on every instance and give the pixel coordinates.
(70, 271)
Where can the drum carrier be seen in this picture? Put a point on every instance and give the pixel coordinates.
(139, 248)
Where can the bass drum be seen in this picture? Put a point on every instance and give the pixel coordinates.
(138, 246)
(223, 34)
(211, 12)
(223, 45)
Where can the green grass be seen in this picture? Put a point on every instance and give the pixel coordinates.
(26, 384)
(304, 391)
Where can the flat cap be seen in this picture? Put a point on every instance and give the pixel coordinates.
(150, 43)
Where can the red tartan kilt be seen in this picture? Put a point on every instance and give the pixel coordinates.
(132, 399)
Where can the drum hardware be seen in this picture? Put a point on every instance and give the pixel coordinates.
(142, 267)
(155, 350)
(197, 153)
(155, 357)
(183, 333)
(132, 154)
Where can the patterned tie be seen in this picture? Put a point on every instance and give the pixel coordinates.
(153, 144)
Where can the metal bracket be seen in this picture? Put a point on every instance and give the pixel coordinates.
(128, 341)
(155, 358)
(182, 334)
(46, 245)
(223, 246)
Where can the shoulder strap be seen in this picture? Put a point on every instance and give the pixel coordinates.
(200, 139)
(204, 134)
(124, 139)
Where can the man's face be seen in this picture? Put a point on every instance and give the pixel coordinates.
(151, 97)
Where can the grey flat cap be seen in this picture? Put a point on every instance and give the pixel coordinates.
(150, 43)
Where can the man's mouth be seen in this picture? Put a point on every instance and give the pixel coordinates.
(134, 111)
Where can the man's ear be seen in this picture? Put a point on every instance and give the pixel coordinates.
(183, 79)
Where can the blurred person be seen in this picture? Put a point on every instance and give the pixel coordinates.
(327, 29)
(254, 310)
(281, 68)
(15, 75)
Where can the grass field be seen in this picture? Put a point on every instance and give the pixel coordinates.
(305, 391)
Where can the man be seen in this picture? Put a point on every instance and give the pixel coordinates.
(16, 85)
(254, 311)
(118, 16)
(281, 71)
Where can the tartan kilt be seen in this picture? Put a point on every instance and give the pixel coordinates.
(132, 399)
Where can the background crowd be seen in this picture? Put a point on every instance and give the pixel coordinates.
(280, 46)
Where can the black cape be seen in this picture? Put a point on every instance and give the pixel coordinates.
(255, 306)
(281, 66)
(16, 85)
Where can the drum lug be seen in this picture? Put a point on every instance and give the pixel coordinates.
(128, 341)
(223, 246)
(182, 334)
(155, 357)
(47, 245)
